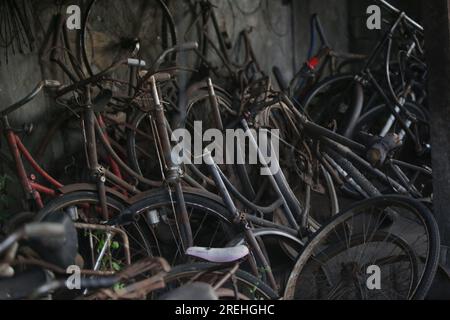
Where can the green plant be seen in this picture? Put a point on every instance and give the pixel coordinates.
(108, 262)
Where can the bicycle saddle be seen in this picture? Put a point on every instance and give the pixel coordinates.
(224, 255)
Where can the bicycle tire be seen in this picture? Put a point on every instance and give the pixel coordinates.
(352, 110)
(355, 174)
(339, 248)
(420, 212)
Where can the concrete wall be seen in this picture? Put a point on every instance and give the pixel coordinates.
(280, 37)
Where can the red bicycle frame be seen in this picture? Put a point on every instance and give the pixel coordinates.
(28, 182)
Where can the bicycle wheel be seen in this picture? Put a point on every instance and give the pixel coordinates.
(112, 28)
(336, 101)
(394, 234)
(241, 285)
(101, 247)
(155, 213)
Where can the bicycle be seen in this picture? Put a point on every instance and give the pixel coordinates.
(347, 109)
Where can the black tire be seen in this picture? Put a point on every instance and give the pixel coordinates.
(417, 213)
(256, 286)
(75, 198)
(317, 273)
(355, 174)
(337, 98)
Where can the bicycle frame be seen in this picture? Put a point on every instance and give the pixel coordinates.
(32, 189)
(286, 202)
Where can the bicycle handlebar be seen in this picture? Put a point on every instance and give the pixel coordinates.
(98, 76)
(41, 85)
(136, 63)
(159, 77)
(393, 9)
(188, 46)
(131, 62)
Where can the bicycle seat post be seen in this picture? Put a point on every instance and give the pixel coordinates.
(97, 172)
